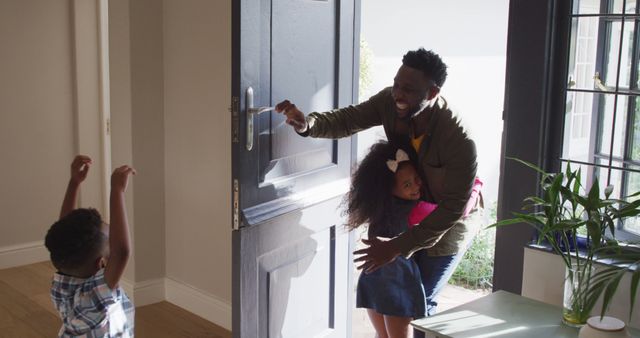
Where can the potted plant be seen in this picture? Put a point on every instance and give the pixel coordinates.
(566, 214)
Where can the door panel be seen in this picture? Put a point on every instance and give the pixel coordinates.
(294, 276)
(304, 65)
(297, 50)
(291, 255)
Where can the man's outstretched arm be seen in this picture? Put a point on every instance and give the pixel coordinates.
(336, 123)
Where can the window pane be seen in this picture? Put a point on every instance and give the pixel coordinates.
(612, 51)
(604, 179)
(586, 6)
(627, 54)
(633, 186)
(632, 225)
(630, 6)
(607, 126)
(633, 181)
(637, 84)
(635, 130)
(583, 53)
(615, 180)
(577, 125)
(616, 55)
(604, 127)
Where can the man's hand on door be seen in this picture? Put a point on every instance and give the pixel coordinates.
(379, 253)
(295, 117)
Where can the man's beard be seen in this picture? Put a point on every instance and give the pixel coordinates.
(422, 106)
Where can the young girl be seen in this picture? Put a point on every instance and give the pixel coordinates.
(385, 191)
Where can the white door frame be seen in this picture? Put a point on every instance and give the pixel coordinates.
(90, 38)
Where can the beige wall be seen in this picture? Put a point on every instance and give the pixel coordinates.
(120, 86)
(36, 123)
(170, 76)
(49, 89)
(197, 55)
(170, 90)
(147, 123)
(137, 110)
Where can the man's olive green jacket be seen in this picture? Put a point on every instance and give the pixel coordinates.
(447, 156)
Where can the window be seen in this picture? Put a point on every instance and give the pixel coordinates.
(602, 112)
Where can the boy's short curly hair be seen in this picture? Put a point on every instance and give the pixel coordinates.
(429, 63)
(76, 239)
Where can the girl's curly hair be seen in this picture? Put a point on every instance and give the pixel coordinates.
(369, 198)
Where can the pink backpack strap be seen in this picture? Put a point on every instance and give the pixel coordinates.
(473, 199)
(420, 211)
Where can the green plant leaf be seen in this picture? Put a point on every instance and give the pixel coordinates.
(608, 222)
(594, 194)
(536, 200)
(612, 286)
(530, 165)
(569, 224)
(581, 200)
(564, 208)
(577, 184)
(637, 193)
(635, 278)
(506, 222)
(594, 231)
(535, 220)
(628, 212)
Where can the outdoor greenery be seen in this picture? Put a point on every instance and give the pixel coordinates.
(563, 208)
(366, 70)
(475, 270)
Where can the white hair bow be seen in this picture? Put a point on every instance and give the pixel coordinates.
(401, 156)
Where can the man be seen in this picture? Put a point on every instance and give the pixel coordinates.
(413, 111)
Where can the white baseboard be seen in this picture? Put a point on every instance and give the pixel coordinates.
(23, 254)
(142, 293)
(149, 292)
(145, 292)
(198, 302)
(128, 288)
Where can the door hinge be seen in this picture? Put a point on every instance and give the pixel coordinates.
(236, 205)
(235, 119)
(108, 126)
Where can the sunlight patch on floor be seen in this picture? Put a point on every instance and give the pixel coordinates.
(450, 297)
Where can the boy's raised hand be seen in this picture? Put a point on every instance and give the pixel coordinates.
(119, 246)
(120, 178)
(80, 168)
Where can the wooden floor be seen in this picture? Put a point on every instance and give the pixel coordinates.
(26, 310)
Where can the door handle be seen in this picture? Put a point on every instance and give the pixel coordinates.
(251, 112)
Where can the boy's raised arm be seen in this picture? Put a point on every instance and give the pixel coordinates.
(79, 170)
(119, 228)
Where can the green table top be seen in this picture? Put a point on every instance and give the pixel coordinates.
(501, 314)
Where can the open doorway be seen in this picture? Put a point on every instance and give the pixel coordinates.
(471, 38)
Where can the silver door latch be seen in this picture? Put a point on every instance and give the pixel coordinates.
(251, 112)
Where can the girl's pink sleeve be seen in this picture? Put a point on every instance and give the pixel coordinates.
(420, 211)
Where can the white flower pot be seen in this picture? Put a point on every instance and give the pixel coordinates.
(608, 327)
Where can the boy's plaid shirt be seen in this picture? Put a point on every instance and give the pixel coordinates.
(89, 308)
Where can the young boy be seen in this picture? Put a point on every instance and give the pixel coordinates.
(90, 257)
